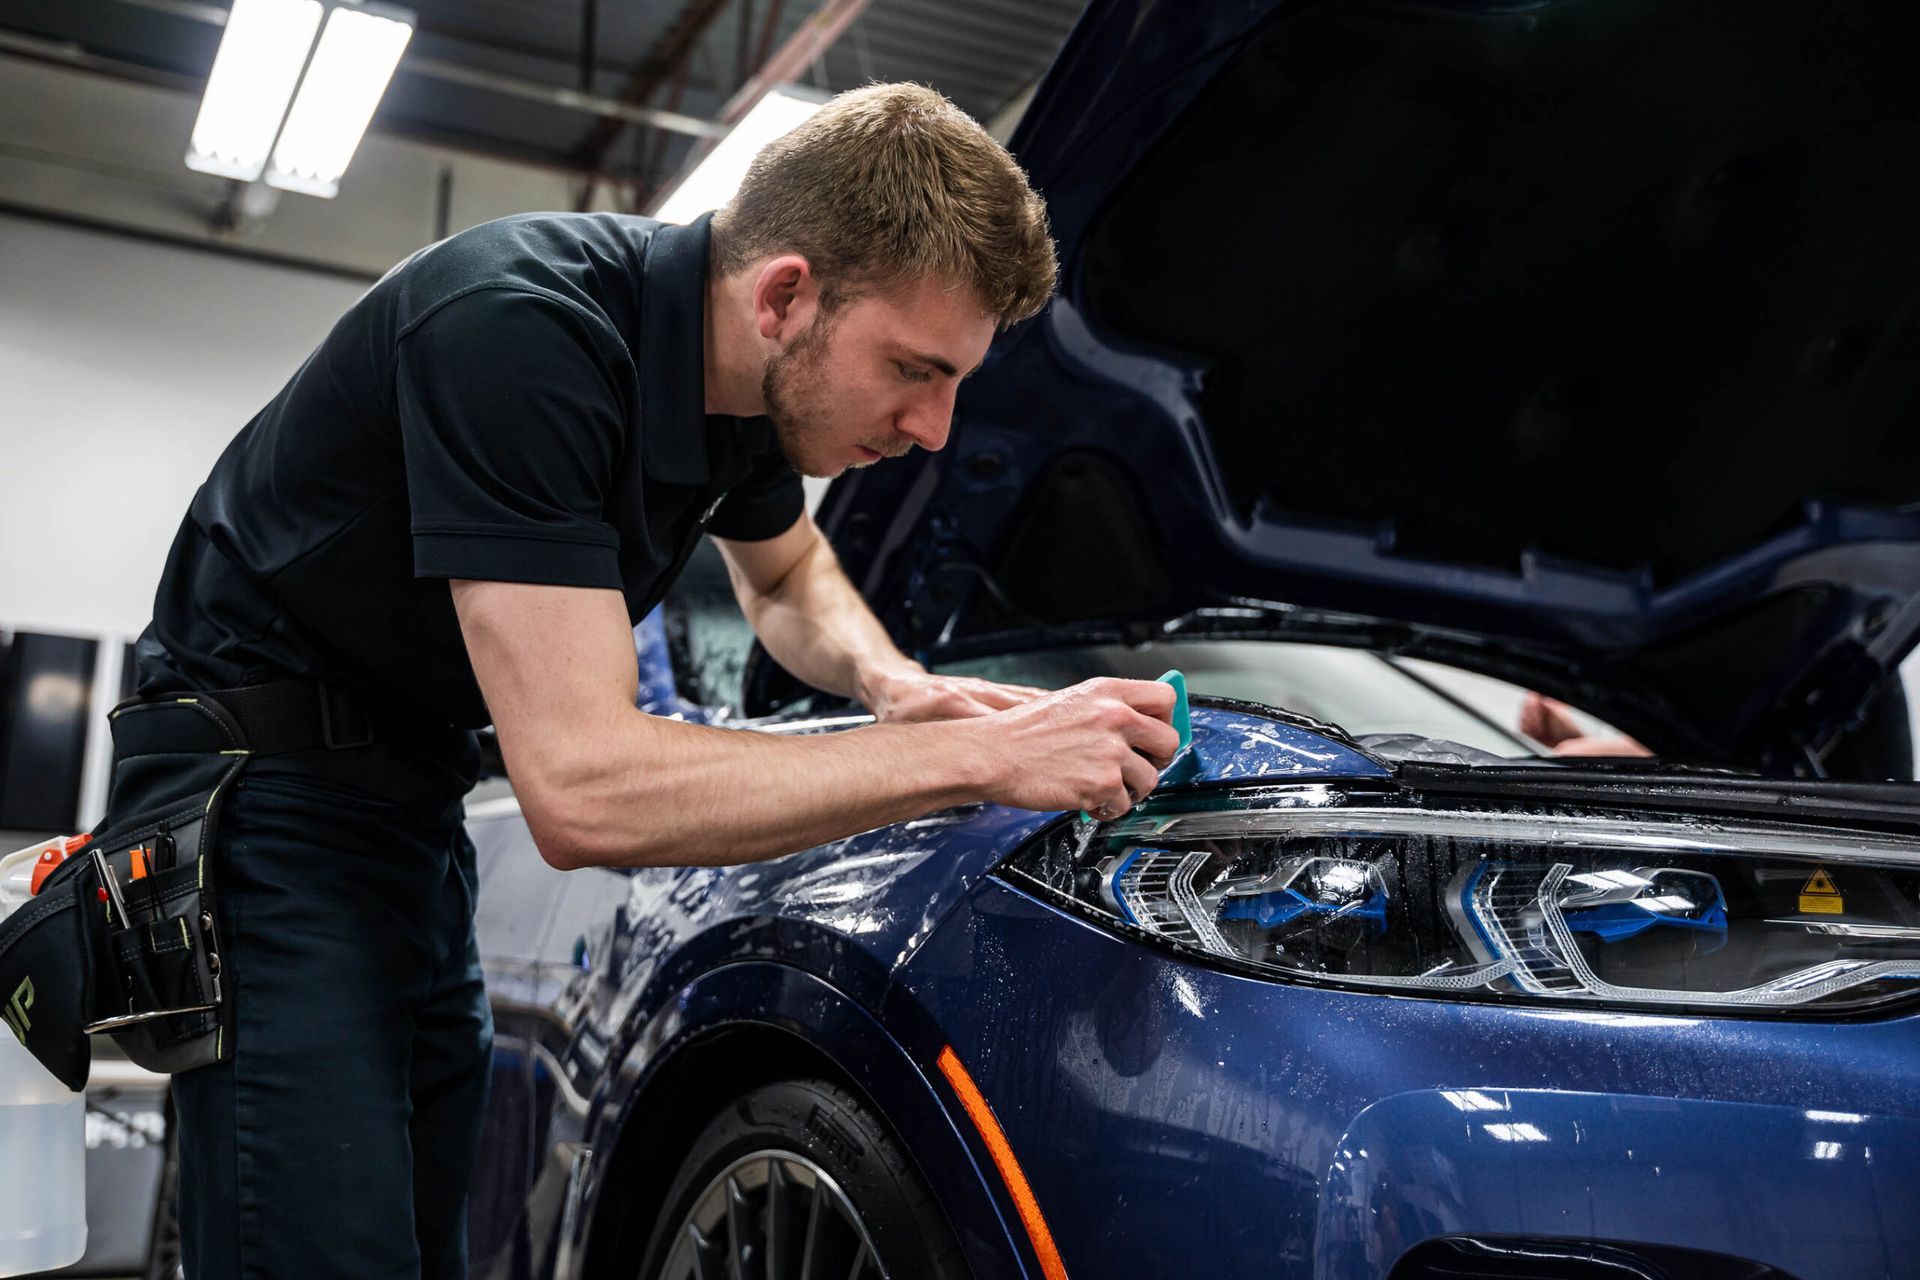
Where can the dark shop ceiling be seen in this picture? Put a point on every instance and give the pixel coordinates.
(484, 75)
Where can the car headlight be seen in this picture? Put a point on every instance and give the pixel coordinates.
(1414, 895)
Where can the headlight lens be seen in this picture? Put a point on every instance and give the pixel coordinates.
(1411, 896)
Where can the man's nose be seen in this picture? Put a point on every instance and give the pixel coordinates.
(928, 421)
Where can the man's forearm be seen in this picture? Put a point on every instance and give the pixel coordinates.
(816, 625)
(603, 783)
(645, 791)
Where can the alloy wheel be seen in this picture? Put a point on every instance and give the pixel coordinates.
(772, 1215)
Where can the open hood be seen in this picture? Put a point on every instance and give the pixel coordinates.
(1578, 340)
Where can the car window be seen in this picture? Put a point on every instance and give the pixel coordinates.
(708, 637)
(1361, 691)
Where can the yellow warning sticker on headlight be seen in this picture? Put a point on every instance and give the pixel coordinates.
(1819, 897)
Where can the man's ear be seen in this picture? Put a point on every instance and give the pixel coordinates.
(785, 297)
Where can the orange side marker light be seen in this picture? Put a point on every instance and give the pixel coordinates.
(982, 1116)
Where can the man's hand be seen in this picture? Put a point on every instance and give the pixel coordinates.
(1098, 746)
(907, 694)
(1548, 721)
(816, 625)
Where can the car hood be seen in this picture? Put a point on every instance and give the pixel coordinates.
(1569, 339)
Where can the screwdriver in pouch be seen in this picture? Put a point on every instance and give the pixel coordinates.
(111, 887)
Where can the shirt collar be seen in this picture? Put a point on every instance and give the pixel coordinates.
(672, 353)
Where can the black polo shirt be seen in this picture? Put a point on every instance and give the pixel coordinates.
(523, 402)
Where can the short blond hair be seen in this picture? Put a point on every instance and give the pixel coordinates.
(888, 185)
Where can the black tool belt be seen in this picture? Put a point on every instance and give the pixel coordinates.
(122, 937)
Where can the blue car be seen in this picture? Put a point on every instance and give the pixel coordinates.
(1410, 358)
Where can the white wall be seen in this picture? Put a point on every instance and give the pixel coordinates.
(125, 367)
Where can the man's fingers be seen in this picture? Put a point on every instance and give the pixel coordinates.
(1155, 739)
(1533, 717)
(1141, 778)
(1150, 697)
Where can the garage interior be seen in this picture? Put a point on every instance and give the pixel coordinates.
(157, 288)
(147, 310)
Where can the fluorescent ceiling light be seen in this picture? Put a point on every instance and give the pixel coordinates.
(1515, 1132)
(351, 67)
(1472, 1100)
(254, 73)
(715, 179)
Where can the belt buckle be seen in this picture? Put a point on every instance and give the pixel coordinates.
(335, 722)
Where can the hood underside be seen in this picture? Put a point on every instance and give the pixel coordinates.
(1581, 331)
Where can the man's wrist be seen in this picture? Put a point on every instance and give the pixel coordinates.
(968, 768)
(875, 681)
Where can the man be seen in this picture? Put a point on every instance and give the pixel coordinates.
(454, 513)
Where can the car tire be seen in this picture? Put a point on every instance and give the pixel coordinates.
(799, 1178)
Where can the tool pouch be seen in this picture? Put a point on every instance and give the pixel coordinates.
(101, 950)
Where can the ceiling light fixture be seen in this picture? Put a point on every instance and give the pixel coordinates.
(269, 50)
(351, 66)
(253, 79)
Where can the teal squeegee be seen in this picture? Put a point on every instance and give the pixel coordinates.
(1182, 717)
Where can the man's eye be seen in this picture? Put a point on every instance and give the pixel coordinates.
(910, 373)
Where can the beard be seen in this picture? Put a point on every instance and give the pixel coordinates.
(794, 387)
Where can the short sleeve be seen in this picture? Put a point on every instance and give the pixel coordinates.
(764, 505)
(512, 420)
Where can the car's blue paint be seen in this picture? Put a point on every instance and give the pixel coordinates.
(658, 695)
(850, 913)
(1162, 1108)
(897, 1076)
(1166, 1112)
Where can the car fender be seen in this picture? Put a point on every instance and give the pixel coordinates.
(824, 1023)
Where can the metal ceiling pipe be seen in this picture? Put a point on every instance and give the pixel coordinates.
(590, 103)
(72, 55)
(802, 49)
(791, 61)
(671, 53)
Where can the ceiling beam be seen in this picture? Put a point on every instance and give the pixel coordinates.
(802, 49)
(673, 48)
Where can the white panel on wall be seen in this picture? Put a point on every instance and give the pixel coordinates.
(125, 367)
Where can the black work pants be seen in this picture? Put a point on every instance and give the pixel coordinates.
(339, 1139)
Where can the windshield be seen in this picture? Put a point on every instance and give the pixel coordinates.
(1361, 691)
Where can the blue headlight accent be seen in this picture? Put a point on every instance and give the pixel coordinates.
(1269, 910)
(1472, 914)
(1120, 870)
(1618, 921)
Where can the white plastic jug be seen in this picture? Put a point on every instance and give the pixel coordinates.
(43, 1139)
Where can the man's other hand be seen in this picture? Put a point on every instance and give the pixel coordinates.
(1551, 722)
(910, 694)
